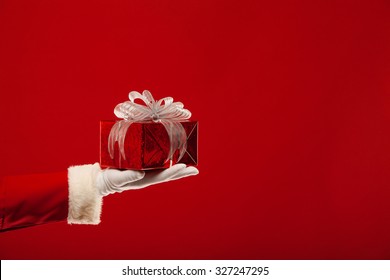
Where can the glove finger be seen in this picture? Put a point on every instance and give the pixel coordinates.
(189, 171)
(162, 176)
(119, 178)
(155, 177)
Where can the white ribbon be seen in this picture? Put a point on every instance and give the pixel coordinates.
(165, 111)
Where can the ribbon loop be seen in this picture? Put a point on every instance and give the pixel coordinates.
(165, 111)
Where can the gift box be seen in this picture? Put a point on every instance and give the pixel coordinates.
(151, 135)
(147, 146)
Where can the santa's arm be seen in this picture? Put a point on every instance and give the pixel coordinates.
(35, 199)
(28, 200)
(75, 195)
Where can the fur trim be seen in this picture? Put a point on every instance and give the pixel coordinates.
(85, 203)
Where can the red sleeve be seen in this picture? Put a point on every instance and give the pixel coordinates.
(30, 200)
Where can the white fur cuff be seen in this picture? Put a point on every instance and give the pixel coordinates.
(85, 203)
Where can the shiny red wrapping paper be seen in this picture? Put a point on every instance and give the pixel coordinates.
(147, 146)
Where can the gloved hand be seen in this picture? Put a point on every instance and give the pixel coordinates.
(110, 181)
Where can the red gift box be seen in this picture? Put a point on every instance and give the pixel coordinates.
(147, 146)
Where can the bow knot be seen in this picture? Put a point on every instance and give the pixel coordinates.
(152, 110)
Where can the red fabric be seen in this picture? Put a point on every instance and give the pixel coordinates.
(35, 199)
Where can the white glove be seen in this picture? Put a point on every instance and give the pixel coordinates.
(110, 181)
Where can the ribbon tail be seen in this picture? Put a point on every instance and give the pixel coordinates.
(121, 137)
(112, 138)
(118, 134)
(177, 138)
(182, 140)
(168, 127)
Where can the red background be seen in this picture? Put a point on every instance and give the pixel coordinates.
(293, 102)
